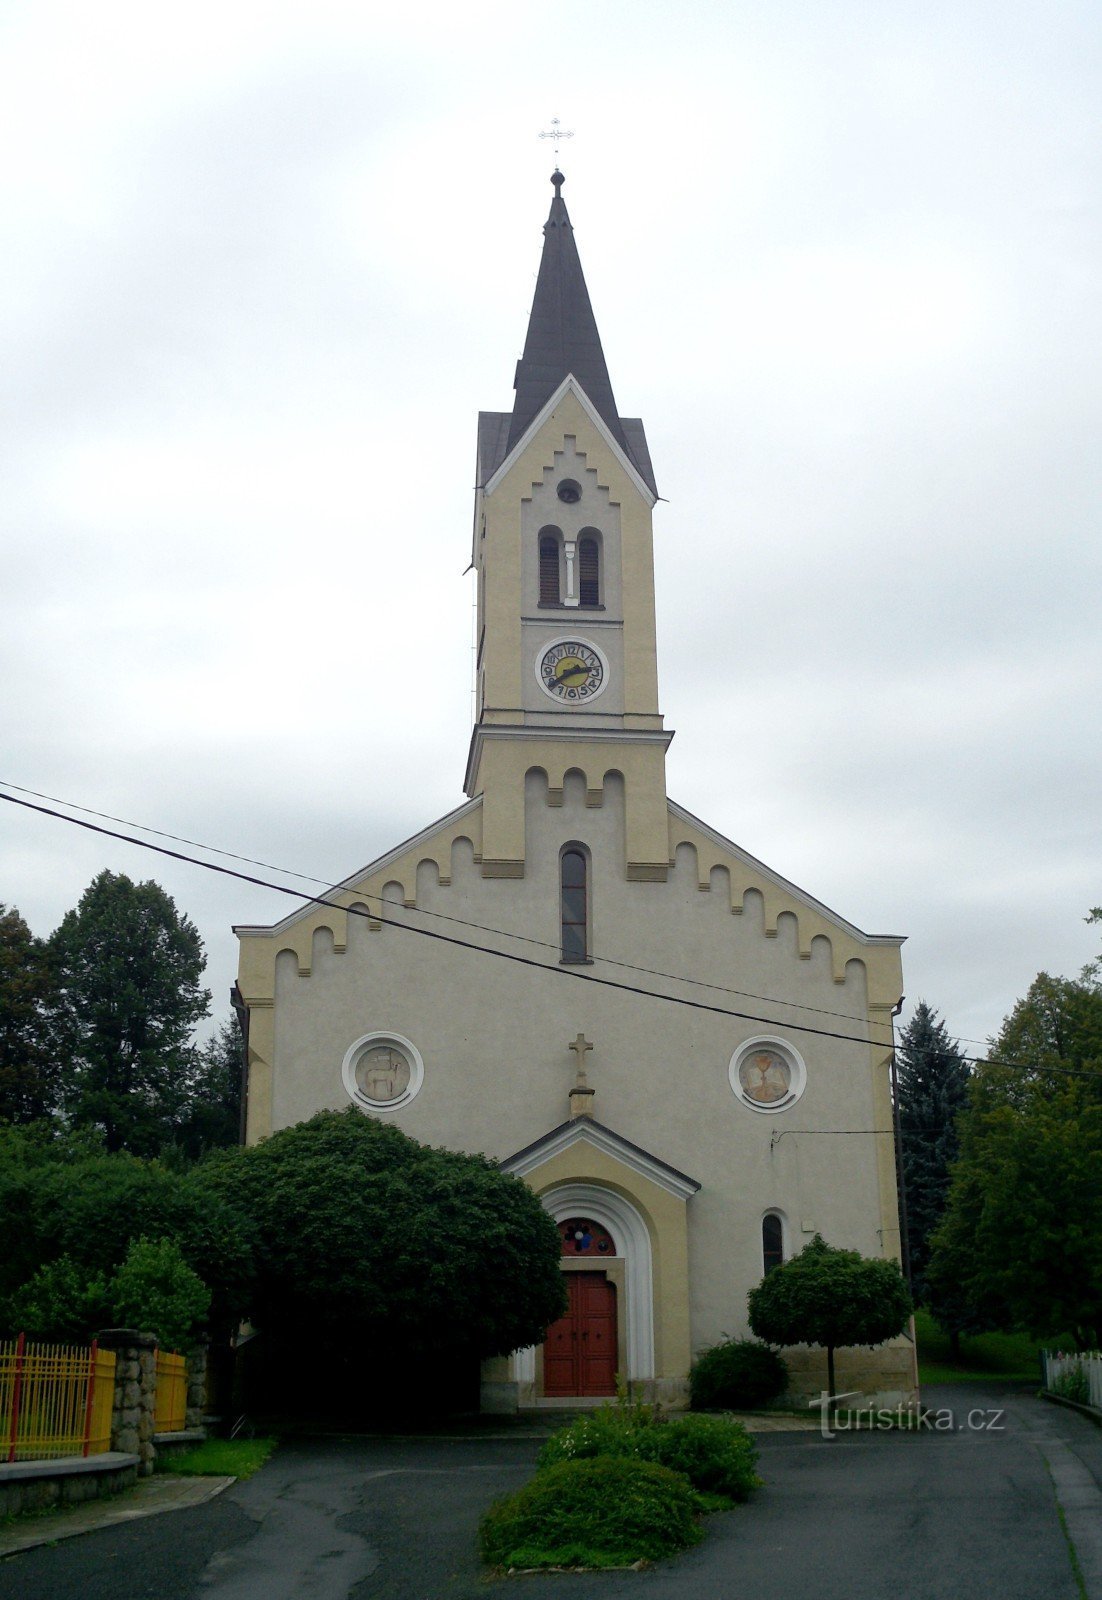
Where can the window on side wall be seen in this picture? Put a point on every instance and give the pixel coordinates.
(574, 902)
(772, 1241)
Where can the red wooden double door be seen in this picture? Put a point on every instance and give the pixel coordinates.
(579, 1357)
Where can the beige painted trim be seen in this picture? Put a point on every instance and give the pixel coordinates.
(570, 386)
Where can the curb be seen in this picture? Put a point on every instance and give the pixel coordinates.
(150, 1498)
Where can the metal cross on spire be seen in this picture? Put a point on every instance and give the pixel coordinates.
(556, 132)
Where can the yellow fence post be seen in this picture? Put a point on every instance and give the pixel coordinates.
(54, 1398)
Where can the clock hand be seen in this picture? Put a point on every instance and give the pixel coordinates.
(577, 670)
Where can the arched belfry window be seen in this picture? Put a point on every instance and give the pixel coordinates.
(589, 571)
(574, 897)
(549, 568)
(772, 1241)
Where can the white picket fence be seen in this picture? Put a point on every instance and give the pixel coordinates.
(1058, 1363)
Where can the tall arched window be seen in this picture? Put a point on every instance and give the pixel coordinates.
(589, 572)
(549, 570)
(575, 905)
(772, 1241)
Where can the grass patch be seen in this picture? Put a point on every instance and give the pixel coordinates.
(222, 1458)
(985, 1355)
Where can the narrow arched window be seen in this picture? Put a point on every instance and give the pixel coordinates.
(549, 570)
(589, 572)
(772, 1241)
(575, 908)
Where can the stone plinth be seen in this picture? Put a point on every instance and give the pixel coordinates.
(134, 1409)
(196, 1388)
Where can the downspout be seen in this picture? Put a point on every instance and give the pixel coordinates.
(241, 1011)
(901, 1182)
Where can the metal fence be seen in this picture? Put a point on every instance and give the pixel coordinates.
(1062, 1375)
(55, 1400)
(170, 1414)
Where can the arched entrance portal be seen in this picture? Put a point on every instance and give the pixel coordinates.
(620, 1252)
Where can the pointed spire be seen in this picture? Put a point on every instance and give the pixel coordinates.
(562, 331)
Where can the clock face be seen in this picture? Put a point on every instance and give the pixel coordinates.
(571, 671)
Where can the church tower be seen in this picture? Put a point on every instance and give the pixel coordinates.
(683, 1053)
(567, 671)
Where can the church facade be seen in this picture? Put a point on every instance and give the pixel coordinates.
(685, 1055)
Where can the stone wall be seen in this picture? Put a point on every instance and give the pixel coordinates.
(196, 1388)
(134, 1411)
(886, 1376)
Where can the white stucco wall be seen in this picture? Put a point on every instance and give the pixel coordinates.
(493, 1036)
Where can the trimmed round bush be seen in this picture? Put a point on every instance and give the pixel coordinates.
(737, 1375)
(716, 1454)
(605, 1512)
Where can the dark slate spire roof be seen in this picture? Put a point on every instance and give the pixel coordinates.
(562, 338)
(562, 332)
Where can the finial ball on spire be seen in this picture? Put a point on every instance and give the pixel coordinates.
(558, 180)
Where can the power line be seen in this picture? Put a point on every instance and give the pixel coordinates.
(443, 916)
(511, 955)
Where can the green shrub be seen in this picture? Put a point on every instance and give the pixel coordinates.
(736, 1375)
(613, 1430)
(606, 1512)
(716, 1454)
(60, 1303)
(155, 1290)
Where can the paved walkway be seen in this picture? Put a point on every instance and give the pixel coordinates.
(148, 1498)
(968, 1510)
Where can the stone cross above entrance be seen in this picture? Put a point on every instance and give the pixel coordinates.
(581, 1095)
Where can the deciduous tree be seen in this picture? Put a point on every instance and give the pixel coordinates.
(28, 1056)
(129, 969)
(393, 1257)
(1020, 1244)
(830, 1297)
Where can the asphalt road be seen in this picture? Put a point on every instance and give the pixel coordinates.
(966, 1511)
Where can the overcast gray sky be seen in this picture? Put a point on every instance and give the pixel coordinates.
(264, 263)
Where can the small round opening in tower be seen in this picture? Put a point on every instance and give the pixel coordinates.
(569, 492)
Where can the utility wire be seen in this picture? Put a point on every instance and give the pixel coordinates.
(443, 916)
(511, 955)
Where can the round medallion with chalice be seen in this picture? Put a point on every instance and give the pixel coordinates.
(572, 671)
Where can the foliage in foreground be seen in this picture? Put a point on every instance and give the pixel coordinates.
(222, 1458)
(605, 1512)
(154, 1289)
(369, 1242)
(80, 1211)
(830, 1297)
(737, 1375)
(716, 1454)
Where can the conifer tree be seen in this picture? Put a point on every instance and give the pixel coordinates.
(933, 1089)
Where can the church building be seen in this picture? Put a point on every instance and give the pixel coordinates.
(685, 1055)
